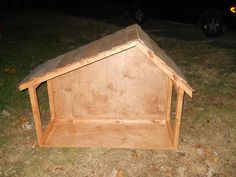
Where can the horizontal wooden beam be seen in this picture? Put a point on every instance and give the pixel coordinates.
(112, 121)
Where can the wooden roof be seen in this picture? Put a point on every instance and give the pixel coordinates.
(132, 36)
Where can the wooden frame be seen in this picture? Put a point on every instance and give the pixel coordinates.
(98, 97)
(173, 132)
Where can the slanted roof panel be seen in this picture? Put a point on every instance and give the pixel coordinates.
(159, 57)
(119, 38)
(146, 40)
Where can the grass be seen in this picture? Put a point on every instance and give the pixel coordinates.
(208, 130)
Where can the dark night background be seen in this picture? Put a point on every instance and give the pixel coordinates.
(212, 16)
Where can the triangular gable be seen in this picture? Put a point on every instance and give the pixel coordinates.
(121, 40)
(159, 57)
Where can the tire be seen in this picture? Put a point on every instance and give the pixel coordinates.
(212, 23)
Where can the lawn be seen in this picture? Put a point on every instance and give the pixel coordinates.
(208, 131)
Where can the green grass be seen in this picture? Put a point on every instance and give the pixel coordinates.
(32, 37)
(29, 40)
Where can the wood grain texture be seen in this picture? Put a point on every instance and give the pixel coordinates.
(95, 49)
(36, 114)
(178, 80)
(102, 48)
(113, 92)
(144, 136)
(178, 114)
(124, 85)
(51, 99)
(168, 109)
(47, 131)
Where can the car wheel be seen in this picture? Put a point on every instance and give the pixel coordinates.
(212, 23)
(139, 15)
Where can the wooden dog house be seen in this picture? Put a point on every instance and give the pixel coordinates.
(113, 92)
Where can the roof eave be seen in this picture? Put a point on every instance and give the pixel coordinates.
(83, 62)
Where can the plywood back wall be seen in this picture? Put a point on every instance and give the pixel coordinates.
(126, 85)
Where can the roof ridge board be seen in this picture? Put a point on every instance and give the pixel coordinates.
(144, 37)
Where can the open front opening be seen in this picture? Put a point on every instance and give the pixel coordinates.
(43, 102)
(116, 102)
(173, 107)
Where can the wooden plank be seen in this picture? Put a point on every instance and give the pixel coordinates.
(143, 96)
(86, 51)
(115, 120)
(57, 98)
(178, 114)
(116, 87)
(144, 136)
(169, 95)
(168, 110)
(69, 57)
(89, 90)
(132, 33)
(76, 65)
(51, 99)
(120, 38)
(168, 61)
(144, 38)
(36, 114)
(107, 43)
(166, 69)
(65, 93)
(47, 132)
(43, 68)
(80, 99)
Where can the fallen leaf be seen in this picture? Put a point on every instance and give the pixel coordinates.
(116, 173)
(9, 70)
(5, 113)
(22, 120)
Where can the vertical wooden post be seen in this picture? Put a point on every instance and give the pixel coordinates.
(168, 109)
(36, 114)
(51, 100)
(178, 113)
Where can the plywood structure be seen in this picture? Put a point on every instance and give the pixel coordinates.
(113, 92)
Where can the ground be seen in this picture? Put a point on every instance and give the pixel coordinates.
(208, 131)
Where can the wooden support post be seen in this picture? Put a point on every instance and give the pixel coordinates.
(51, 99)
(178, 113)
(168, 109)
(36, 114)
